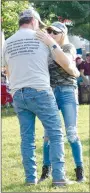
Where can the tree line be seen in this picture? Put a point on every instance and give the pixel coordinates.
(76, 11)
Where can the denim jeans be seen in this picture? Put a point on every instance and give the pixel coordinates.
(67, 101)
(28, 104)
(79, 80)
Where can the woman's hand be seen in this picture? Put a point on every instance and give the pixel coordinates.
(45, 37)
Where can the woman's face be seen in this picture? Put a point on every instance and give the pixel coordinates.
(57, 36)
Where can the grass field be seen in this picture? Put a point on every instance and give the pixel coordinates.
(12, 169)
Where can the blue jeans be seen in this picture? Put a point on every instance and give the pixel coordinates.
(67, 101)
(28, 104)
(79, 80)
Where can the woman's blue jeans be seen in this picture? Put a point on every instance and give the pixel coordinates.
(28, 104)
(67, 101)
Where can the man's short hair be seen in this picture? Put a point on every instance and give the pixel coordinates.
(78, 58)
(25, 20)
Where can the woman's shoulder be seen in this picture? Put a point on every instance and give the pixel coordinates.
(68, 47)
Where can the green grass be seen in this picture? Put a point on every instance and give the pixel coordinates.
(12, 169)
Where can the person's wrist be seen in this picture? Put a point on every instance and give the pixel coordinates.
(51, 43)
(54, 46)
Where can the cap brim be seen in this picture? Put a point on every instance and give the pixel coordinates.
(54, 28)
(42, 23)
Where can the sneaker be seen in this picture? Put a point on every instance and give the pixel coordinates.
(46, 172)
(63, 183)
(30, 184)
(79, 174)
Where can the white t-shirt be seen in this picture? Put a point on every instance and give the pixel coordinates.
(27, 60)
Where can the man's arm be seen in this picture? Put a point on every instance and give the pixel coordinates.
(82, 72)
(7, 72)
(4, 63)
(85, 80)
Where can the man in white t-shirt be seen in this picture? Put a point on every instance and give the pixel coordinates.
(26, 61)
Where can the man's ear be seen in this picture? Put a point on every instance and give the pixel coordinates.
(32, 21)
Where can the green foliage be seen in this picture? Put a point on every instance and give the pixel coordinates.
(83, 30)
(10, 11)
(77, 11)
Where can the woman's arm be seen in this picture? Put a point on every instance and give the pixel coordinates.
(63, 59)
(66, 61)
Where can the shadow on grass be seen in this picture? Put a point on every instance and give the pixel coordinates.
(11, 187)
(86, 153)
(7, 112)
(22, 187)
(86, 143)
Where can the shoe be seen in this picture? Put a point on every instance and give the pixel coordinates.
(79, 174)
(46, 172)
(63, 183)
(30, 184)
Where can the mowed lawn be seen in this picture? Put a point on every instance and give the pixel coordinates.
(12, 169)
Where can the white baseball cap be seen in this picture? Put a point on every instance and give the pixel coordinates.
(31, 12)
(58, 27)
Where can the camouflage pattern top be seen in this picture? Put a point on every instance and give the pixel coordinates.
(58, 76)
